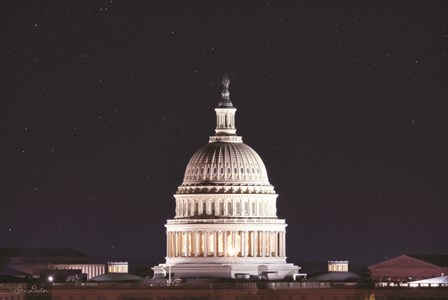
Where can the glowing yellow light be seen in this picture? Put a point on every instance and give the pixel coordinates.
(230, 251)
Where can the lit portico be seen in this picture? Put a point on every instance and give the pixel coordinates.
(213, 238)
(225, 221)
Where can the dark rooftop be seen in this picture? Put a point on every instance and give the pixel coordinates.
(438, 260)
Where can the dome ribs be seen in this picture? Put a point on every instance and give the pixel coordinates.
(225, 167)
(226, 163)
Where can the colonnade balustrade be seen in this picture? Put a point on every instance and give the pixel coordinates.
(224, 243)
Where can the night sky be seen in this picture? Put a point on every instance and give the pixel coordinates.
(104, 102)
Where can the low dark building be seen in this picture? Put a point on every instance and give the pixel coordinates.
(405, 268)
(36, 261)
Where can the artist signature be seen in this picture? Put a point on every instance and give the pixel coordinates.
(34, 289)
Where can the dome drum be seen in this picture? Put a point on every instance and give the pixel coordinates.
(222, 206)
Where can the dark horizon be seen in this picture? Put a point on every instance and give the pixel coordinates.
(104, 103)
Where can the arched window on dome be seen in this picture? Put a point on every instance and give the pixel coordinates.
(254, 211)
(246, 208)
(238, 205)
(221, 209)
(229, 208)
(196, 208)
(204, 208)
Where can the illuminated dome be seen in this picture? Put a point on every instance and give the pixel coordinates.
(225, 223)
(225, 163)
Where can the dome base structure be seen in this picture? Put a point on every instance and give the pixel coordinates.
(229, 270)
(225, 223)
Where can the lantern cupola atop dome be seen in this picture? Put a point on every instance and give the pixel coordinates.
(225, 117)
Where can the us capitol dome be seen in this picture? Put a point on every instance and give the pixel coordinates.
(225, 223)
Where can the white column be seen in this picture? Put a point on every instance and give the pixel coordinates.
(263, 244)
(276, 244)
(225, 242)
(257, 244)
(252, 252)
(176, 244)
(268, 243)
(280, 244)
(196, 243)
(171, 244)
(209, 244)
(243, 243)
(167, 243)
(181, 243)
(205, 243)
(284, 243)
(185, 234)
(215, 240)
(193, 243)
(233, 241)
